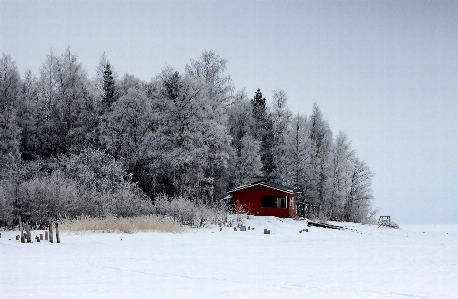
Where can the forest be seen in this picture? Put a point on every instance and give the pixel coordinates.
(119, 146)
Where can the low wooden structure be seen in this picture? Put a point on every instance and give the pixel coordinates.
(307, 210)
(325, 225)
(384, 221)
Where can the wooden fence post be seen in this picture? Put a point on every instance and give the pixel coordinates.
(29, 235)
(57, 233)
(46, 235)
(51, 239)
(21, 228)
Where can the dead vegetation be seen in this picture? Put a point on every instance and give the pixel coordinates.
(126, 225)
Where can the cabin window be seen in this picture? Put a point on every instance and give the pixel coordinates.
(273, 202)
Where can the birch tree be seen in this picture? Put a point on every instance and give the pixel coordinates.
(342, 166)
(359, 196)
(281, 118)
(9, 97)
(126, 131)
(215, 94)
(67, 116)
(249, 164)
(318, 189)
(239, 120)
(28, 117)
(298, 152)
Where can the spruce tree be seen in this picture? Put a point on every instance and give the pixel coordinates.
(108, 91)
(263, 131)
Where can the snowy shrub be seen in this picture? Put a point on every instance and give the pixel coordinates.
(186, 212)
(48, 197)
(370, 219)
(105, 188)
(393, 224)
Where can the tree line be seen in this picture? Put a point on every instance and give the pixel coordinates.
(73, 145)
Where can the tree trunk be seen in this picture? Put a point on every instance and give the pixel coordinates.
(57, 233)
(50, 232)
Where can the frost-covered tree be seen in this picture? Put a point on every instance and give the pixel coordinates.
(127, 82)
(249, 164)
(48, 198)
(126, 131)
(177, 132)
(210, 69)
(104, 186)
(215, 88)
(28, 117)
(239, 120)
(105, 83)
(298, 151)
(318, 189)
(10, 82)
(281, 118)
(359, 194)
(67, 114)
(342, 167)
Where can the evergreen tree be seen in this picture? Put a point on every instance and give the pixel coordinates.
(108, 87)
(262, 130)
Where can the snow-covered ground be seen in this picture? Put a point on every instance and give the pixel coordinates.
(366, 262)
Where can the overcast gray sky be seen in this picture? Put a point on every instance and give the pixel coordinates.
(385, 72)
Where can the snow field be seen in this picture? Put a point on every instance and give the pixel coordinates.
(366, 262)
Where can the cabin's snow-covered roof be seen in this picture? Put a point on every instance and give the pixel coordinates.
(268, 185)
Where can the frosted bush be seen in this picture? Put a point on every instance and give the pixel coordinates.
(186, 212)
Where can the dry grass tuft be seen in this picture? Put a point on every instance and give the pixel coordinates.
(127, 225)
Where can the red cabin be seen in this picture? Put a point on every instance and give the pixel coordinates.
(262, 198)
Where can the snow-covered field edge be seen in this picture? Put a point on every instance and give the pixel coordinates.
(362, 261)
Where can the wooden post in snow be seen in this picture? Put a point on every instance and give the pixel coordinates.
(46, 235)
(21, 229)
(29, 235)
(50, 231)
(57, 233)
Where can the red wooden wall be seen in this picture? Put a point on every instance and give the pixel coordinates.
(250, 200)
